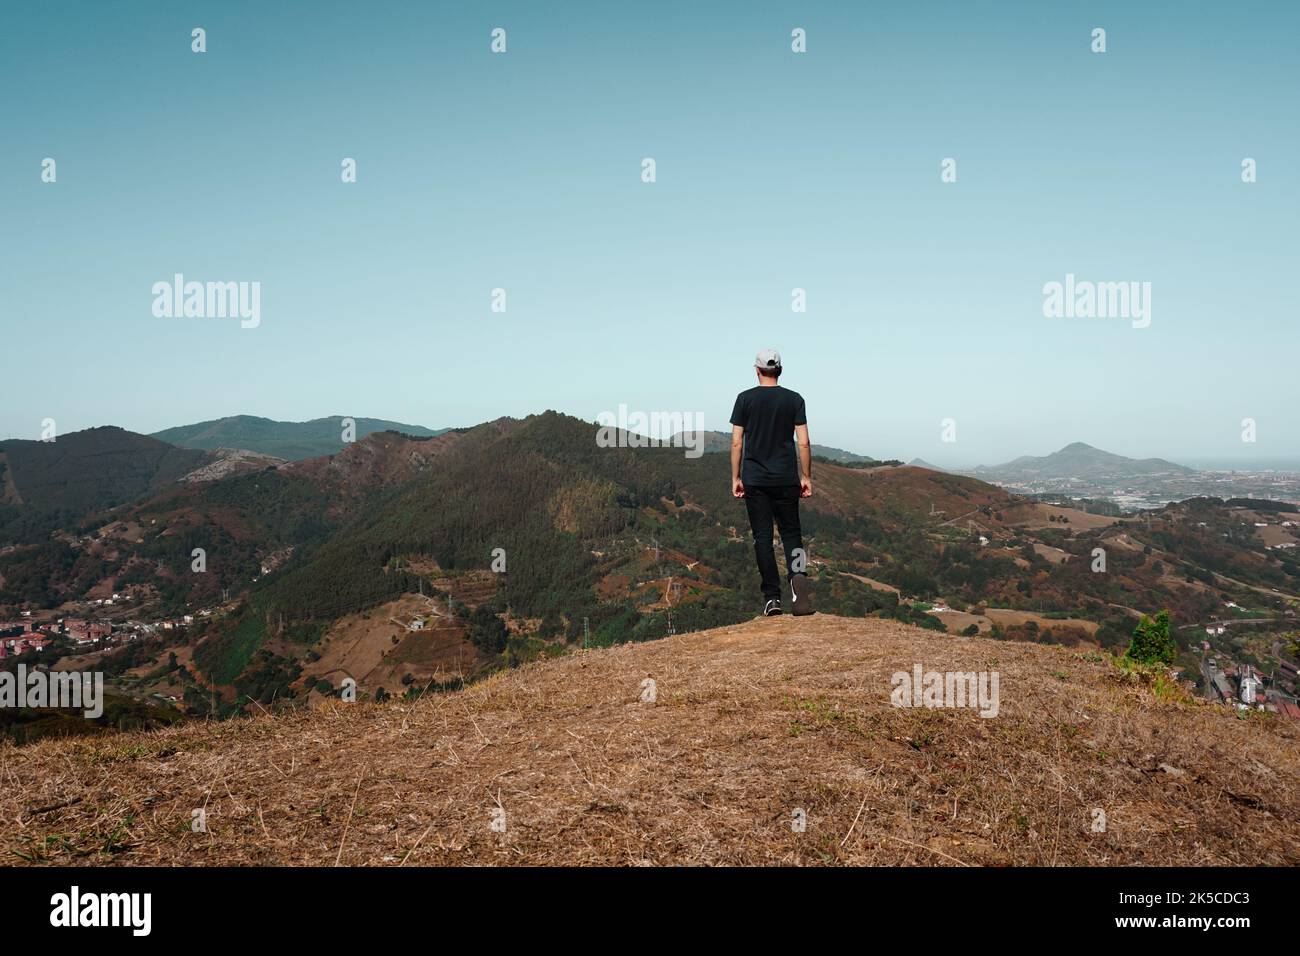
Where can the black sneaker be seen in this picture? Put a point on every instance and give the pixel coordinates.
(772, 608)
(800, 596)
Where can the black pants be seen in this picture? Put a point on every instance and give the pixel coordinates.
(764, 504)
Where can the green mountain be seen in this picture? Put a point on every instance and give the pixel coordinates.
(292, 441)
(47, 485)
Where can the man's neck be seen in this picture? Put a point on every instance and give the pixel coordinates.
(768, 382)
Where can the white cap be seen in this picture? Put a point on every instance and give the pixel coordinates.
(768, 359)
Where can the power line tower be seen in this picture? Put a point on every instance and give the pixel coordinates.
(586, 634)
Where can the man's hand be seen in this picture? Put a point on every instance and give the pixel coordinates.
(805, 460)
(737, 452)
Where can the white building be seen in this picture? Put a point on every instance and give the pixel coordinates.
(1250, 685)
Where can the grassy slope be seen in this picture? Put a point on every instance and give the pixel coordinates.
(750, 722)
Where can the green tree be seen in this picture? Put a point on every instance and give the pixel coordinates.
(1152, 642)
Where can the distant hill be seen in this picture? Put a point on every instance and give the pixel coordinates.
(721, 441)
(776, 715)
(292, 441)
(922, 463)
(1078, 460)
(58, 483)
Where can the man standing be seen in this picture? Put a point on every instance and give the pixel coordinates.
(771, 477)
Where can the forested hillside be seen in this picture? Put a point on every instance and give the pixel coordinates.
(46, 485)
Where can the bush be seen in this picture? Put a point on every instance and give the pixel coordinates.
(1152, 642)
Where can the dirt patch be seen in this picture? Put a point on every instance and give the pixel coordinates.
(1005, 617)
(872, 583)
(1035, 516)
(1051, 554)
(410, 636)
(1275, 534)
(958, 621)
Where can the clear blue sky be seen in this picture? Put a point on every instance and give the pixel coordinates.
(775, 170)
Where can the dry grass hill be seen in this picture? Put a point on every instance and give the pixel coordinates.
(749, 724)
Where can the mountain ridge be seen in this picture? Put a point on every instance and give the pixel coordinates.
(1079, 460)
(292, 441)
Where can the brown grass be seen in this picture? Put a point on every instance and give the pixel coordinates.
(1037, 516)
(750, 723)
(1008, 616)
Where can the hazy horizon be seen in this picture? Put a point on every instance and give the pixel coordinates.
(776, 171)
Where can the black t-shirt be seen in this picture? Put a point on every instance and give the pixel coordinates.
(769, 414)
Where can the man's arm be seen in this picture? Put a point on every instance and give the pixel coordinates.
(805, 460)
(737, 442)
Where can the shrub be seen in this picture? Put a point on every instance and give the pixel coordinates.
(1152, 642)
